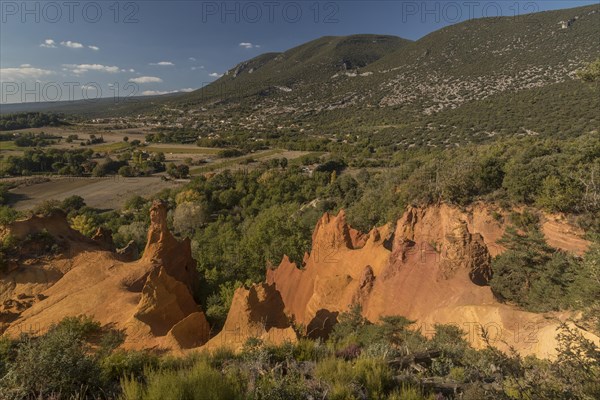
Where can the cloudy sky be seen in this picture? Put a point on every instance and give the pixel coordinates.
(56, 50)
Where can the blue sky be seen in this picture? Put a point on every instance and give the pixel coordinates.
(51, 50)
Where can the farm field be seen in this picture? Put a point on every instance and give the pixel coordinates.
(111, 192)
(103, 193)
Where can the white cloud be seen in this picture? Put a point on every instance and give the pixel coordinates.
(51, 44)
(192, 59)
(146, 79)
(160, 92)
(81, 68)
(48, 43)
(25, 71)
(198, 67)
(156, 92)
(163, 64)
(89, 87)
(215, 75)
(72, 45)
(248, 45)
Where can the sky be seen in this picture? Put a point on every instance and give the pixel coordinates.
(70, 50)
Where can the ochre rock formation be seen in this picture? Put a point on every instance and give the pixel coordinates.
(433, 268)
(257, 312)
(150, 299)
(332, 274)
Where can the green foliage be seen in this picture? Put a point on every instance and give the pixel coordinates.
(57, 363)
(348, 379)
(73, 203)
(229, 153)
(67, 162)
(35, 140)
(75, 358)
(180, 171)
(201, 382)
(10, 122)
(585, 290)
(531, 273)
(85, 224)
(591, 72)
(8, 215)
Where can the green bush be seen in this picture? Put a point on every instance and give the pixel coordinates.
(347, 379)
(201, 382)
(57, 364)
(532, 274)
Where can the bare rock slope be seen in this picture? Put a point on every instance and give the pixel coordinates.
(149, 299)
(433, 268)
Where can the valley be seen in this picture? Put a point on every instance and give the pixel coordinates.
(355, 217)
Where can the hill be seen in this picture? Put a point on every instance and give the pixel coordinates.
(470, 82)
(466, 69)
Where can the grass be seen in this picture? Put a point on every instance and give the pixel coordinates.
(111, 146)
(233, 161)
(9, 145)
(298, 160)
(181, 150)
(201, 382)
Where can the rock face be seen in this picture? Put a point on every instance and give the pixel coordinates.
(433, 268)
(334, 273)
(163, 249)
(257, 312)
(150, 300)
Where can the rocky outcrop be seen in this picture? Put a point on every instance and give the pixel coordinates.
(333, 274)
(162, 249)
(103, 237)
(150, 300)
(257, 312)
(562, 235)
(433, 268)
(130, 252)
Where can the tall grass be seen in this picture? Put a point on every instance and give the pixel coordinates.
(200, 382)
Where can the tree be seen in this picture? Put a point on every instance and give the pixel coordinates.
(73, 203)
(181, 171)
(532, 274)
(189, 216)
(271, 235)
(58, 363)
(126, 171)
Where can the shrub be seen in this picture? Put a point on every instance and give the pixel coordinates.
(57, 364)
(310, 350)
(201, 382)
(291, 386)
(126, 363)
(531, 273)
(347, 379)
(8, 215)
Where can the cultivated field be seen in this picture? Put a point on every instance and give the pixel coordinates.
(112, 192)
(103, 193)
